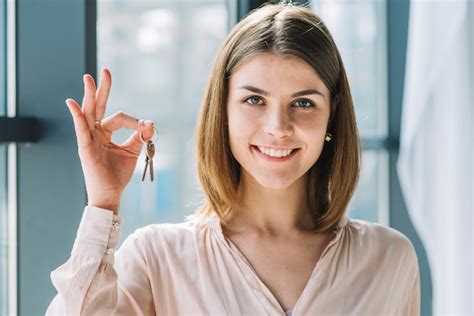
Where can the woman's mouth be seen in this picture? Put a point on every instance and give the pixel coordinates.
(276, 155)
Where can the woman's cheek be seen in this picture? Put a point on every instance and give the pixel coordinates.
(246, 119)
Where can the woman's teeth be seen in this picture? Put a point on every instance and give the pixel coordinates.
(275, 152)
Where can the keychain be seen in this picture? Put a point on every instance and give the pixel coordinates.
(150, 153)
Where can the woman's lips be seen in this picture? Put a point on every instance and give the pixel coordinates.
(274, 159)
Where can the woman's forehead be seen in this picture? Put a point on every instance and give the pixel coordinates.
(276, 70)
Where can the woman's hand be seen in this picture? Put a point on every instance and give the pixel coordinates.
(107, 166)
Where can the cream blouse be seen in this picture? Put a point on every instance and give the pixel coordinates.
(191, 268)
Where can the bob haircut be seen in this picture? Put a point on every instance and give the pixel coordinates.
(286, 30)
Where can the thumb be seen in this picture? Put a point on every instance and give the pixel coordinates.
(135, 142)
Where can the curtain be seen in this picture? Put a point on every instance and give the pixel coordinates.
(435, 164)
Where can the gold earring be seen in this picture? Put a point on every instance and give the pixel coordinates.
(328, 137)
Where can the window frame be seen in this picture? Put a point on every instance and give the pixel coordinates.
(62, 37)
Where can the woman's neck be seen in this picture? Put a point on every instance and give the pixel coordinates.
(270, 211)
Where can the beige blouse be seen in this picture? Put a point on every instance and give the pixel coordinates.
(191, 268)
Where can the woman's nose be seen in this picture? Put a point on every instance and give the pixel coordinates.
(278, 124)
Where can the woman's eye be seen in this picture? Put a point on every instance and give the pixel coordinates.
(253, 100)
(304, 103)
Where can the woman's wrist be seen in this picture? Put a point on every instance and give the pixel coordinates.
(112, 207)
(111, 204)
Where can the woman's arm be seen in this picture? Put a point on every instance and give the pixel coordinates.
(96, 281)
(413, 297)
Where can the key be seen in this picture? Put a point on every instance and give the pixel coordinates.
(150, 153)
(147, 162)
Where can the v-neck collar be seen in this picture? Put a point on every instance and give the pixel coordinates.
(262, 291)
(215, 224)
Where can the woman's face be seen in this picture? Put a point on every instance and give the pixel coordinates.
(277, 106)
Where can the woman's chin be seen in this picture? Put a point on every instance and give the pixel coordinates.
(276, 183)
(274, 180)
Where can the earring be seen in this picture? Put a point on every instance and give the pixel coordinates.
(328, 137)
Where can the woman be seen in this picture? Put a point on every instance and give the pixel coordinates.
(278, 158)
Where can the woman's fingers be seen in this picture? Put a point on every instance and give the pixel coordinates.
(122, 120)
(135, 143)
(88, 102)
(102, 94)
(80, 124)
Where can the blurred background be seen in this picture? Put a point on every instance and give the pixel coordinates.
(410, 66)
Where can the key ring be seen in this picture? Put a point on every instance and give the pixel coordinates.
(141, 137)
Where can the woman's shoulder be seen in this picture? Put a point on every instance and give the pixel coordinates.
(165, 230)
(376, 231)
(380, 239)
(178, 234)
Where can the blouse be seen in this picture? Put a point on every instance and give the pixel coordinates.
(192, 268)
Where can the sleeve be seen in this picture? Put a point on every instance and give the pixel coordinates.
(412, 306)
(97, 281)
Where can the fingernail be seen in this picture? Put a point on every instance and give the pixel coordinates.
(148, 123)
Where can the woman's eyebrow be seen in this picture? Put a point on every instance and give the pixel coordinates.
(297, 94)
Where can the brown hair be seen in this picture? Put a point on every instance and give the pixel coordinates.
(287, 30)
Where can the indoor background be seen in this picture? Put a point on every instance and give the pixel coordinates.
(410, 67)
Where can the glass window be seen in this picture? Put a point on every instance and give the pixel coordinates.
(359, 29)
(370, 201)
(3, 232)
(3, 171)
(151, 48)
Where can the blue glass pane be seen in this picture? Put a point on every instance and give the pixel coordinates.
(151, 48)
(370, 201)
(3, 165)
(3, 231)
(359, 29)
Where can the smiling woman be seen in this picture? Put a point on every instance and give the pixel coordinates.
(291, 51)
(278, 125)
(278, 157)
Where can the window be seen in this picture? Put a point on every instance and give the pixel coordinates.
(3, 232)
(8, 240)
(358, 27)
(3, 173)
(56, 40)
(151, 49)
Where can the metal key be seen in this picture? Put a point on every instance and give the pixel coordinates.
(150, 153)
(147, 162)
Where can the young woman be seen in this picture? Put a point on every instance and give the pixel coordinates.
(278, 157)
